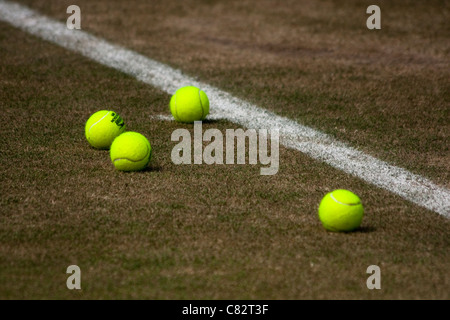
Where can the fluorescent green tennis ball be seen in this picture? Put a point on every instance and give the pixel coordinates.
(341, 210)
(189, 104)
(102, 128)
(131, 151)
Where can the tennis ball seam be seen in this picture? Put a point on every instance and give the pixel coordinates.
(201, 104)
(343, 203)
(98, 121)
(146, 154)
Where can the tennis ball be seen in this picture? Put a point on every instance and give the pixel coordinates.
(131, 151)
(102, 128)
(189, 104)
(341, 210)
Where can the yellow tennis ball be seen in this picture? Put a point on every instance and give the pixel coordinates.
(131, 151)
(189, 104)
(341, 210)
(102, 128)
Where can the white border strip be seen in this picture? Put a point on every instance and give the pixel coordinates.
(293, 135)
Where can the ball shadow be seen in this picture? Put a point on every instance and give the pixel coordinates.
(365, 229)
(211, 121)
(153, 168)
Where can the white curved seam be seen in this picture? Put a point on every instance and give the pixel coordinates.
(146, 154)
(345, 204)
(98, 121)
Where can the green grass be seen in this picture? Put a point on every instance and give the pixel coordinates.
(211, 232)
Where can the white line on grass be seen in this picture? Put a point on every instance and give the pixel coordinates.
(292, 134)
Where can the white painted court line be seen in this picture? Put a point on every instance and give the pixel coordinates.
(293, 135)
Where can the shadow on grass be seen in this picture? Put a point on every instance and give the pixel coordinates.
(153, 168)
(367, 229)
(212, 121)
